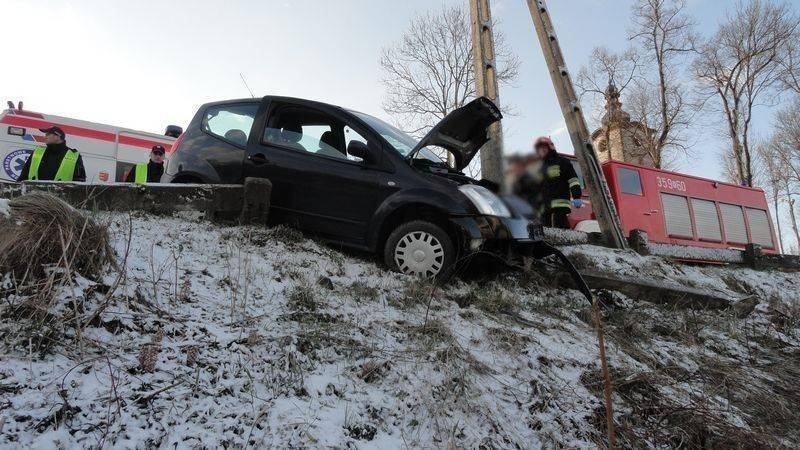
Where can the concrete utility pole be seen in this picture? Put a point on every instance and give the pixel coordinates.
(602, 203)
(486, 86)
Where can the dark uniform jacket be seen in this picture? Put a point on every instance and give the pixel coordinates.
(559, 181)
(154, 172)
(552, 186)
(51, 160)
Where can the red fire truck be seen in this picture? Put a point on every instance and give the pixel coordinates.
(679, 209)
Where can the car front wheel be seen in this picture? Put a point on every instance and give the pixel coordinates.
(419, 248)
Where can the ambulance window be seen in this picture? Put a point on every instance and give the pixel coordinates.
(231, 122)
(629, 181)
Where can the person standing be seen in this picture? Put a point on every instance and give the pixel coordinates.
(553, 185)
(151, 171)
(55, 161)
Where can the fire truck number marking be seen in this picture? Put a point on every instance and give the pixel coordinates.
(669, 183)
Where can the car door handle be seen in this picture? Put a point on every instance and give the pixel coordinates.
(258, 159)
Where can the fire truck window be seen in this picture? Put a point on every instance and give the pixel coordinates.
(706, 220)
(733, 221)
(676, 216)
(760, 229)
(231, 122)
(629, 181)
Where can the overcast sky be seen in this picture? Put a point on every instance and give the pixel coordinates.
(146, 64)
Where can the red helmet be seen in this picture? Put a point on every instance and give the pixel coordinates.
(544, 140)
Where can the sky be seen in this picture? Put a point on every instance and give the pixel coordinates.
(146, 64)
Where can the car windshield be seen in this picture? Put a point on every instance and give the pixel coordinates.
(398, 139)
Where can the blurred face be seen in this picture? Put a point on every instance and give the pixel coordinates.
(52, 138)
(157, 156)
(542, 150)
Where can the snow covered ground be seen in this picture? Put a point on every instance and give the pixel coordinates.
(214, 336)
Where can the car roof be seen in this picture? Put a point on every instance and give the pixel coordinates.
(276, 97)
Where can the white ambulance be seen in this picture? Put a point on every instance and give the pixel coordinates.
(108, 152)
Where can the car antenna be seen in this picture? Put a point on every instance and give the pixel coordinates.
(245, 85)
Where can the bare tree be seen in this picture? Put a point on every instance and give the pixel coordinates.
(786, 140)
(666, 35)
(741, 66)
(430, 72)
(605, 69)
(786, 151)
(772, 178)
(790, 71)
(603, 80)
(779, 164)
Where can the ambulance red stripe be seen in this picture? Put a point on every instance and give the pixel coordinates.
(72, 130)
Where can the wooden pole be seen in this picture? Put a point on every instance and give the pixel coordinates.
(602, 203)
(486, 86)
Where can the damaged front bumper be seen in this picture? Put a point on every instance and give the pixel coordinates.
(521, 234)
(505, 237)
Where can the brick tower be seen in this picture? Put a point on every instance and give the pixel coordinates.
(619, 138)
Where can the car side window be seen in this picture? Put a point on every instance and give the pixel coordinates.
(231, 122)
(310, 131)
(351, 135)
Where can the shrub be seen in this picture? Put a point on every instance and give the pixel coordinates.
(43, 231)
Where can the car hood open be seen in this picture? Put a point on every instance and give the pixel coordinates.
(463, 132)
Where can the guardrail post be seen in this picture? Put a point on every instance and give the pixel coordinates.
(638, 241)
(255, 201)
(752, 256)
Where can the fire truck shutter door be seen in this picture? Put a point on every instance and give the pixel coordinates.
(759, 227)
(706, 219)
(676, 215)
(733, 220)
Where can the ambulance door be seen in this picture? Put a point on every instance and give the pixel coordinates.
(16, 146)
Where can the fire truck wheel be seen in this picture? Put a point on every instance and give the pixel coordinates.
(419, 248)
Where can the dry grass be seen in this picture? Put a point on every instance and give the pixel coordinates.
(45, 232)
(303, 298)
(490, 297)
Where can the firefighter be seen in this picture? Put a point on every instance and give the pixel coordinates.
(151, 171)
(550, 184)
(55, 161)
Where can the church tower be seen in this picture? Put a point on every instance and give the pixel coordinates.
(619, 138)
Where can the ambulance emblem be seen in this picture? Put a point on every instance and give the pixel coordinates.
(15, 161)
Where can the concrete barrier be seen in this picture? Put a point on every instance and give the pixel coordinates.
(215, 201)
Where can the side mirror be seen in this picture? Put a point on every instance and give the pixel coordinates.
(359, 150)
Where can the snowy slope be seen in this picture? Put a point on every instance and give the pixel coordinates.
(262, 338)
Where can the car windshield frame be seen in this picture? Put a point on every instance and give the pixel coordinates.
(395, 136)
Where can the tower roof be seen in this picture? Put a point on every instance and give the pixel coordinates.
(614, 111)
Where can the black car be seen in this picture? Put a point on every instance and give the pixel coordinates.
(351, 178)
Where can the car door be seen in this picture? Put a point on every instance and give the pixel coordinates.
(316, 185)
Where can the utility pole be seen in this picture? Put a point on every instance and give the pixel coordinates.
(602, 204)
(486, 86)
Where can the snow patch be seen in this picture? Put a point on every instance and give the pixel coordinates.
(252, 350)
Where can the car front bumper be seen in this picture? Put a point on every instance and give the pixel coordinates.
(499, 235)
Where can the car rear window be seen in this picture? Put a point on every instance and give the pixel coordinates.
(231, 122)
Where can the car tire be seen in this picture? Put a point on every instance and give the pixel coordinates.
(420, 248)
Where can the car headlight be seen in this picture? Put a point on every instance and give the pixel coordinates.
(484, 200)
